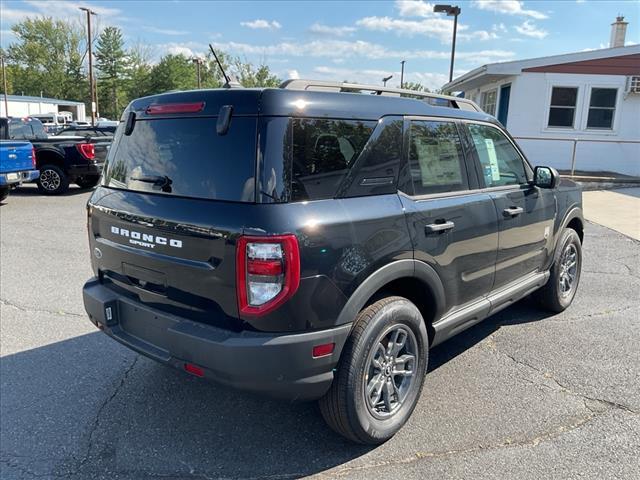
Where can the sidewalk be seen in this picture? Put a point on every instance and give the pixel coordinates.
(616, 209)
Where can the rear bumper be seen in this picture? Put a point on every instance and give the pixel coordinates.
(279, 365)
(11, 178)
(85, 169)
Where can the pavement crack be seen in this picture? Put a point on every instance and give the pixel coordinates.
(7, 303)
(103, 406)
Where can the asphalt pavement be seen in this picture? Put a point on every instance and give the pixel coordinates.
(524, 394)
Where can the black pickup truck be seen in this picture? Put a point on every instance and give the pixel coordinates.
(61, 160)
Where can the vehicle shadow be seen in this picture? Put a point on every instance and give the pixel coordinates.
(118, 414)
(31, 190)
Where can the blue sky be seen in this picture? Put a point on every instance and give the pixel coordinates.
(356, 41)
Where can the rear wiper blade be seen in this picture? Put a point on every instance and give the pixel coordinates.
(161, 181)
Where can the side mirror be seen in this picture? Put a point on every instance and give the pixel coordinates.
(545, 177)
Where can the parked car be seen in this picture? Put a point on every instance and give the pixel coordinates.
(61, 160)
(17, 162)
(317, 244)
(52, 122)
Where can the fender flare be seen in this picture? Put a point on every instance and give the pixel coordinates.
(574, 212)
(408, 268)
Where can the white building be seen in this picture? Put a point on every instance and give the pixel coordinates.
(578, 112)
(23, 106)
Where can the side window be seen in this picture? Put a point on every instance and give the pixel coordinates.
(602, 106)
(500, 161)
(489, 101)
(435, 158)
(18, 130)
(323, 152)
(562, 110)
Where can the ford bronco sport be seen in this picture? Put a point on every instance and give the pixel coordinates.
(315, 241)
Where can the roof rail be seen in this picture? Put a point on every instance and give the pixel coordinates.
(345, 87)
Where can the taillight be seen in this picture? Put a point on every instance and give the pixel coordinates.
(268, 272)
(160, 108)
(33, 157)
(87, 150)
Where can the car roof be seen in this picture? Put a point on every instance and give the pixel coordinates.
(300, 103)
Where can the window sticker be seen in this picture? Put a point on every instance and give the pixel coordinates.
(493, 159)
(438, 163)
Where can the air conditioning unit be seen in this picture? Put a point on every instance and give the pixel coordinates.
(633, 85)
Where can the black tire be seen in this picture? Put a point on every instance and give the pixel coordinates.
(345, 406)
(4, 193)
(88, 181)
(555, 296)
(52, 180)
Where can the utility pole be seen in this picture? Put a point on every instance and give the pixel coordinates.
(92, 91)
(402, 74)
(386, 79)
(198, 61)
(4, 82)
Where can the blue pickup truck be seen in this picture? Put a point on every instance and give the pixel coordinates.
(17, 163)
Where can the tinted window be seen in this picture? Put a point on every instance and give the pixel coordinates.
(501, 163)
(323, 151)
(435, 158)
(563, 106)
(602, 106)
(26, 129)
(186, 157)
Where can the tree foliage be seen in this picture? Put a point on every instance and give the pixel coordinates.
(415, 86)
(111, 63)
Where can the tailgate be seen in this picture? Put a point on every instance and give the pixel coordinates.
(163, 252)
(15, 156)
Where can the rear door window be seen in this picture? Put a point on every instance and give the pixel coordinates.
(436, 158)
(186, 157)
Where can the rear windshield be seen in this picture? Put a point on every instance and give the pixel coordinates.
(21, 129)
(186, 157)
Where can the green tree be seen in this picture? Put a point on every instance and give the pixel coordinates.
(47, 59)
(138, 72)
(415, 86)
(251, 76)
(173, 72)
(111, 62)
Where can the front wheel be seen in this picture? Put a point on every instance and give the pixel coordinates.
(380, 374)
(52, 180)
(563, 282)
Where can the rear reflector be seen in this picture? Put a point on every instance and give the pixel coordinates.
(160, 109)
(194, 369)
(323, 350)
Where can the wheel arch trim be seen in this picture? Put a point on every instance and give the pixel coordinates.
(408, 268)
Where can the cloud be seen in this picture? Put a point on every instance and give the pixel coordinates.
(440, 28)
(262, 24)
(414, 8)
(432, 81)
(342, 49)
(321, 29)
(188, 49)
(508, 7)
(529, 29)
(293, 74)
(165, 31)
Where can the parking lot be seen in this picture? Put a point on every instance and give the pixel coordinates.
(523, 395)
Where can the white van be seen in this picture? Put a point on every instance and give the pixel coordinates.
(53, 122)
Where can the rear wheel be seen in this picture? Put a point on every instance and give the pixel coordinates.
(88, 181)
(52, 180)
(563, 282)
(381, 372)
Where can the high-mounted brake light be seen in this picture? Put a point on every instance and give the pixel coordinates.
(267, 272)
(87, 150)
(159, 109)
(33, 157)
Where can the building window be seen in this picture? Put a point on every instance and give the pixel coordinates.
(489, 101)
(562, 111)
(602, 107)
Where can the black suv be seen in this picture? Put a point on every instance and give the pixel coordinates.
(316, 244)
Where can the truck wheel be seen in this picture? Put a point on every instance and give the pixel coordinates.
(559, 291)
(88, 181)
(380, 374)
(52, 180)
(4, 193)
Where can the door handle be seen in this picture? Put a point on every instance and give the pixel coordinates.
(512, 211)
(438, 227)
